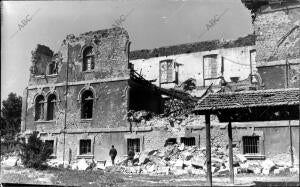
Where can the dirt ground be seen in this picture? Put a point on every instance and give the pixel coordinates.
(100, 178)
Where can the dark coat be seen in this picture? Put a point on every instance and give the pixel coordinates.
(113, 152)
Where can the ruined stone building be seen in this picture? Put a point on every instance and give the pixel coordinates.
(207, 62)
(79, 98)
(262, 68)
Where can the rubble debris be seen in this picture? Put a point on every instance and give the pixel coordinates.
(139, 115)
(268, 165)
(177, 160)
(11, 161)
(172, 160)
(187, 85)
(182, 160)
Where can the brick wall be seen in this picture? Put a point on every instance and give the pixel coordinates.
(277, 28)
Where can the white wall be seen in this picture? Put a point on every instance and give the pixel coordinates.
(236, 64)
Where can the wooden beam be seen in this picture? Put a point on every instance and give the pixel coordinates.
(208, 150)
(231, 171)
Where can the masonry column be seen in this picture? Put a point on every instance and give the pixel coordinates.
(208, 150)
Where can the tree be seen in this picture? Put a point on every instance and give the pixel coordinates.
(11, 114)
(35, 152)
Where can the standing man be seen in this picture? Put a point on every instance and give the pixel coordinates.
(130, 155)
(113, 153)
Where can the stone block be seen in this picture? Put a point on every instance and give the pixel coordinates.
(150, 169)
(10, 161)
(257, 171)
(180, 172)
(181, 147)
(179, 163)
(100, 165)
(265, 171)
(163, 170)
(187, 163)
(277, 171)
(241, 158)
(268, 164)
(198, 163)
(236, 170)
(294, 171)
(223, 171)
(82, 164)
(108, 163)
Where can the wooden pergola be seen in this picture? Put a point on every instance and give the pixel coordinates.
(262, 105)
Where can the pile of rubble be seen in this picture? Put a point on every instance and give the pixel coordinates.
(149, 119)
(180, 159)
(173, 160)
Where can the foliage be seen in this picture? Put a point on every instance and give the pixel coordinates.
(11, 114)
(34, 153)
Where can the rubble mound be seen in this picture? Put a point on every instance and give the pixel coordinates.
(180, 159)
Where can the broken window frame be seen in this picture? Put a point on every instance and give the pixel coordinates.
(52, 68)
(39, 108)
(87, 104)
(134, 143)
(51, 107)
(88, 59)
(210, 73)
(170, 73)
(85, 146)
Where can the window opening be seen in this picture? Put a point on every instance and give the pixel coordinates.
(85, 147)
(251, 144)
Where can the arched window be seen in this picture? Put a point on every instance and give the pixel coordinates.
(39, 108)
(51, 107)
(88, 59)
(87, 104)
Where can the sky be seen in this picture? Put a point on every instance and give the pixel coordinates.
(150, 24)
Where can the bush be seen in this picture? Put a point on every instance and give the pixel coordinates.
(34, 153)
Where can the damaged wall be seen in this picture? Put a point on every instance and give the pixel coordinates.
(96, 62)
(109, 47)
(273, 136)
(190, 62)
(41, 57)
(107, 82)
(277, 28)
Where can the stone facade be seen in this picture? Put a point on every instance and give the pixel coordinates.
(273, 141)
(277, 28)
(93, 64)
(108, 78)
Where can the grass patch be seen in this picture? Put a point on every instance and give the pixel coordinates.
(15, 178)
(86, 178)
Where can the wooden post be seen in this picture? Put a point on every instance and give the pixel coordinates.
(231, 171)
(290, 128)
(208, 149)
